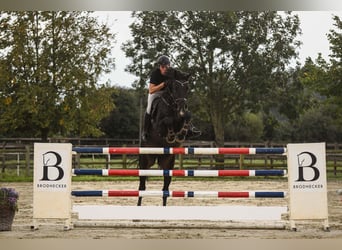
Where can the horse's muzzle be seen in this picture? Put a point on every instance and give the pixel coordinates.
(182, 108)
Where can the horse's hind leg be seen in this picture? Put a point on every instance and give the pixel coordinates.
(142, 186)
(145, 161)
(166, 162)
(167, 181)
(143, 164)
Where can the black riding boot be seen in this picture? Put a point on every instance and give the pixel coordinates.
(147, 125)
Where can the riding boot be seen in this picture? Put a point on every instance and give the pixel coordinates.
(193, 131)
(147, 125)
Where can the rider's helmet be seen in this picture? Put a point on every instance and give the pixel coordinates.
(163, 60)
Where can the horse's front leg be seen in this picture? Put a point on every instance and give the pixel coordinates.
(171, 136)
(167, 181)
(180, 136)
(166, 129)
(142, 186)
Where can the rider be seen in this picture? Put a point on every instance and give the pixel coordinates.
(158, 83)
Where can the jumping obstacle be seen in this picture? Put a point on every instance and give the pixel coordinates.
(193, 213)
(189, 194)
(189, 150)
(194, 173)
(262, 215)
(306, 167)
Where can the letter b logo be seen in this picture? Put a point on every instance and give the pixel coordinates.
(51, 161)
(307, 160)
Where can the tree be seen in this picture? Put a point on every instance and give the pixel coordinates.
(248, 127)
(322, 79)
(123, 121)
(335, 73)
(236, 59)
(50, 64)
(320, 124)
(290, 100)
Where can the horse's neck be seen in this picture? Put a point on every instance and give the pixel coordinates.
(167, 96)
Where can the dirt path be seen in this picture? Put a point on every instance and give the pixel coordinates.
(23, 219)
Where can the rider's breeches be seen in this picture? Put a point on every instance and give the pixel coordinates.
(150, 99)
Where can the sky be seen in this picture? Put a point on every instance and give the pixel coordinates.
(315, 26)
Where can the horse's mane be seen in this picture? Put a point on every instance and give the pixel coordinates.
(176, 74)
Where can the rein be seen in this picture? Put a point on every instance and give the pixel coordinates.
(174, 103)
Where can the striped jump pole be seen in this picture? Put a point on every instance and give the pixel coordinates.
(180, 151)
(201, 173)
(216, 194)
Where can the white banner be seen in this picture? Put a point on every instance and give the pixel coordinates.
(307, 181)
(52, 180)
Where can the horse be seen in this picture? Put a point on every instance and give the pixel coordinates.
(170, 120)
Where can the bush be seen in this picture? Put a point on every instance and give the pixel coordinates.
(9, 197)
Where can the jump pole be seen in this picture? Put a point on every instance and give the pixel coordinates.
(179, 173)
(306, 166)
(178, 151)
(188, 194)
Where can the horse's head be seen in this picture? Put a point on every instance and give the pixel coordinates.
(178, 89)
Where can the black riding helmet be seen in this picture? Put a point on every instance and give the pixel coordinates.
(163, 60)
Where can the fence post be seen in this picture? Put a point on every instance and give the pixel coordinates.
(267, 156)
(108, 161)
(3, 160)
(212, 164)
(334, 157)
(27, 160)
(180, 157)
(241, 161)
(77, 160)
(124, 159)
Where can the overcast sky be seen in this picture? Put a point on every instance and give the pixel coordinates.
(315, 26)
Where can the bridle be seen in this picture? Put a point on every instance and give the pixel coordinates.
(176, 103)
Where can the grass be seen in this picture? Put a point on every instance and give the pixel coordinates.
(7, 177)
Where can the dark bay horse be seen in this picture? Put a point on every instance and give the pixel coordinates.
(170, 122)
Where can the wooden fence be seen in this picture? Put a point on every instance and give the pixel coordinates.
(16, 156)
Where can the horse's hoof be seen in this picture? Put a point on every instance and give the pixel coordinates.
(171, 138)
(168, 140)
(180, 139)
